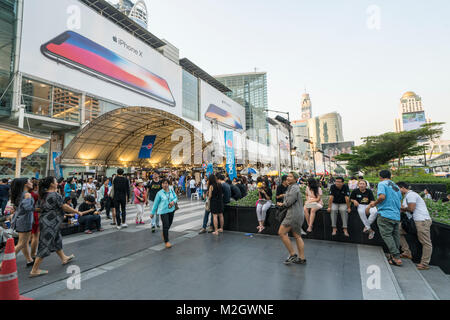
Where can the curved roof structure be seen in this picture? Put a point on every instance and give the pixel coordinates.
(115, 138)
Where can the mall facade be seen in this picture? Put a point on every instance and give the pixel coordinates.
(87, 83)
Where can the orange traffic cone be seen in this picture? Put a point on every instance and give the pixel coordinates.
(9, 284)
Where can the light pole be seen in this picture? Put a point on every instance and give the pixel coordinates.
(314, 154)
(288, 124)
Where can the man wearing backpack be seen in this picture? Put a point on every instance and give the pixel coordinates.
(415, 205)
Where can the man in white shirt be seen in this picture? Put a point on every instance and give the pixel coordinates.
(90, 189)
(192, 185)
(414, 204)
(204, 187)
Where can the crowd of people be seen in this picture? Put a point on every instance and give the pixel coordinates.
(35, 209)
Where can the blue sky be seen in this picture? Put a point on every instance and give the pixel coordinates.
(326, 46)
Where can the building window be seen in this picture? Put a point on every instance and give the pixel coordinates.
(66, 105)
(37, 97)
(7, 17)
(45, 100)
(91, 109)
(191, 101)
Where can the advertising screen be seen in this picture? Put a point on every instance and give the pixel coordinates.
(334, 149)
(70, 44)
(414, 120)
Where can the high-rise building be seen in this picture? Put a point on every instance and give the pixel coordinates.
(250, 90)
(326, 128)
(135, 10)
(306, 107)
(300, 133)
(411, 113)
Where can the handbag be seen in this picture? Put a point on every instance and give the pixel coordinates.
(408, 223)
(208, 205)
(281, 213)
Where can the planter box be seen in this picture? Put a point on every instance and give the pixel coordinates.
(243, 219)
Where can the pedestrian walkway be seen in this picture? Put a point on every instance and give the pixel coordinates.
(188, 217)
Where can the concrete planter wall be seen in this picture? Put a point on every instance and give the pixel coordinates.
(243, 219)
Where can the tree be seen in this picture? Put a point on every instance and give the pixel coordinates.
(432, 132)
(379, 150)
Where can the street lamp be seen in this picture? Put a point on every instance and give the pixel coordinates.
(288, 124)
(314, 154)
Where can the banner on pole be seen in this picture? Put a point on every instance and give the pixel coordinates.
(231, 160)
(147, 147)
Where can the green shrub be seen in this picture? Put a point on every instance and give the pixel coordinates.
(439, 211)
(419, 179)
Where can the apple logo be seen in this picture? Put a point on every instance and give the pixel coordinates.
(115, 39)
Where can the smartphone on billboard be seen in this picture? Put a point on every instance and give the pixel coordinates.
(223, 116)
(85, 55)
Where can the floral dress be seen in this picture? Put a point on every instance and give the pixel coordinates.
(50, 219)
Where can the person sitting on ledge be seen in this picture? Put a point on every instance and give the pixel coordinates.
(89, 215)
(361, 199)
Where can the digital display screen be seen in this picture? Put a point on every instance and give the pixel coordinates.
(224, 117)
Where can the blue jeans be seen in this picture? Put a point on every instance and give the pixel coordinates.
(155, 219)
(205, 220)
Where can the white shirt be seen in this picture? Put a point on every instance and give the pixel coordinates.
(87, 187)
(421, 212)
(192, 184)
(204, 184)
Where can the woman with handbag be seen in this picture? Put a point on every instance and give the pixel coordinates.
(165, 205)
(22, 221)
(292, 220)
(140, 199)
(216, 204)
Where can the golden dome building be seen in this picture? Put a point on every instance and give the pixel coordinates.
(411, 113)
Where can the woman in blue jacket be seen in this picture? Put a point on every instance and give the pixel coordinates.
(164, 205)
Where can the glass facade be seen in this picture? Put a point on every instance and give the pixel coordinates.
(7, 30)
(191, 100)
(50, 101)
(250, 90)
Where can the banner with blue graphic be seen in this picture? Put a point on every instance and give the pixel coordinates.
(57, 164)
(231, 160)
(147, 147)
(209, 169)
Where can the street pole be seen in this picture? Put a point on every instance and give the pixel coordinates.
(290, 141)
(314, 161)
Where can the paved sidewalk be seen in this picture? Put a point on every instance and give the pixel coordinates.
(231, 266)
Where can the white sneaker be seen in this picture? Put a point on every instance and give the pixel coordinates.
(118, 227)
(124, 225)
(371, 234)
(304, 233)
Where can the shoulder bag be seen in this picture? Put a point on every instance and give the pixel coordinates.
(282, 211)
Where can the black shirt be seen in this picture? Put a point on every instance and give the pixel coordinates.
(85, 207)
(242, 189)
(235, 192)
(362, 198)
(281, 190)
(121, 187)
(4, 191)
(269, 193)
(153, 189)
(339, 194)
